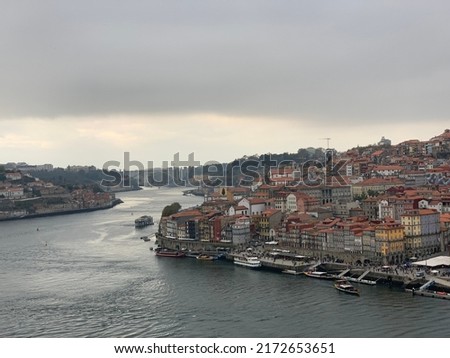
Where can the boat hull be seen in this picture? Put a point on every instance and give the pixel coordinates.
(205, 258)
(346, 287)
(174, 254)
(248, 262)
(350, 292)
(292, 272)
(320, 275)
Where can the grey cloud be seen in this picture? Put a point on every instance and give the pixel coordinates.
(320, 60)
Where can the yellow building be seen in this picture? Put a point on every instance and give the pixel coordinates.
(422, 231)
(390, 242)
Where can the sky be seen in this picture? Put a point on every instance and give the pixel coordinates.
(83, 82)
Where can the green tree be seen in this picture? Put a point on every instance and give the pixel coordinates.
(372, 193)
(361, 197)
(303, 155)
(171, 209)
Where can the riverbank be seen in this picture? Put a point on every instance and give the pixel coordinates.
(63, 212)
(288, 261)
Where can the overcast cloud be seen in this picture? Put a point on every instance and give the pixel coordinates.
(307, 62)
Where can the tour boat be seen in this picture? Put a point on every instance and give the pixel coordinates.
(143, 221)
(319, 274)
(169, 253)
(345, 286)
(250, 262)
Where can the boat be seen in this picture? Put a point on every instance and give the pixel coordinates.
(292, 272)
(248, 261)
(145, 238)
(204, 257)
(143, 221)
(347, 287)
(366, 282)
(169, 253)
(320, 274)
(192, 254)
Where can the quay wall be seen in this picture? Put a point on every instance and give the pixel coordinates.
(278, 264)
(64, 212)
(193, 245)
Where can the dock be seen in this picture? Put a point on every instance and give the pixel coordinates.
(343, 273)
(363, 275)
(278, 263)
(433, 288)
(281, 265)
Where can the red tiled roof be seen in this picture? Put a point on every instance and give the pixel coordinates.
(186, 213)
(255, 201)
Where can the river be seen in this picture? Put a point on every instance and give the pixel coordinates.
(90, 275)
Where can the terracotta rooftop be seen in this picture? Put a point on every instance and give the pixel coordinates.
(186, 213)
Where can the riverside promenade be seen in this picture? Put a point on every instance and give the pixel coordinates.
(284, 260)
(384, 275)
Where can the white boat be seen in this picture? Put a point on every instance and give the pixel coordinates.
(320, 274)
(345, 286)
(292, 272)
(366, 282)
(249, 261)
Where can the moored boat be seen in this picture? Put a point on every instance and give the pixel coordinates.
(366, 282)
(347, 287)
(292, 272)
(320, 275)
(248, 261)
(169, 253)
(192, 254)
(145, 238)
(204, 257)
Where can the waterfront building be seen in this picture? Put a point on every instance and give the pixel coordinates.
(390, 242)
(422, 232)
(183, 224)
(368, 242)
(241, 230)
(204, 227)
(268, 224)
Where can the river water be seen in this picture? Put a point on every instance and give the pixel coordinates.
(90, 275)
